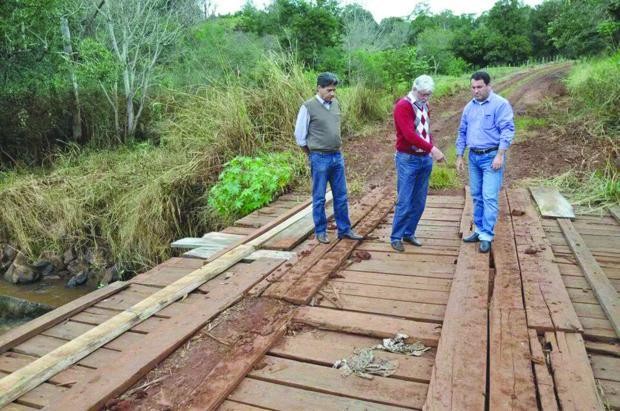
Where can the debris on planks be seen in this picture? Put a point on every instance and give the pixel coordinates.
(399, 345)
(363, 364)
(551, 203)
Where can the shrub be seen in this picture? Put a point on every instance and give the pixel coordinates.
(248, 183)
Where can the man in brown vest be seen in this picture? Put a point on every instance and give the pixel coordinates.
(317, 132)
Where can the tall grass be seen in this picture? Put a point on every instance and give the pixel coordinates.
(133, 201)
(595, 87)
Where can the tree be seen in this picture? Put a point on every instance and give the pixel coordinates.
(137, 32)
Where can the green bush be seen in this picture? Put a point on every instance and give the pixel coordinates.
(248, 183)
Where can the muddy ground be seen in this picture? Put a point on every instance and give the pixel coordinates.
(540, 151)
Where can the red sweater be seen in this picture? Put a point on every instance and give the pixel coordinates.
(406, 135)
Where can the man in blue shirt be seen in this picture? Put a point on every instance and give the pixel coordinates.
(487, 128)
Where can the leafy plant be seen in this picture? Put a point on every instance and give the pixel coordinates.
(248, 183)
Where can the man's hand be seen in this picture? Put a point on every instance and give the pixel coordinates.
(498, 161)
(437, 155)
(459, 164)
(306, 149)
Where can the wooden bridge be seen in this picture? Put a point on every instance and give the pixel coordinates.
(534, 325)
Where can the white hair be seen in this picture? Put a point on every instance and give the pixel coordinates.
(423, 83)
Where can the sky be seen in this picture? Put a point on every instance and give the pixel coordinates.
(381, 9)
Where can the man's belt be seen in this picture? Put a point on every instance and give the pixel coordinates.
(484, 150)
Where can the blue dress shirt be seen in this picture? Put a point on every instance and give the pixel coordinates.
(486, 124)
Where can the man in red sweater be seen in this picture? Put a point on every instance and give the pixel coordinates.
(414, 157)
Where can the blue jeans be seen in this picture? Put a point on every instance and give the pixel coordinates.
(485, 184)
(329, 167)
(413, 173)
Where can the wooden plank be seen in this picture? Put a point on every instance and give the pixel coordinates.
(445, 271)
(544, 380)
(467, 217)
(294, 234)
(401, 281)
(228, 373)
(413, 258)
(373, 246)
(281, 397)
(368, 324)
(605, 367)
(213, 239)
(138, 359)
(389, 391)
(598, 329)
(41, 396)
(20, 334)
(206, 252)
(551, 203)
(572, 374)
(12, 361)
(237, 406)
(547, 302)
(611, 393)
(604, 290)
(615, 212)
(511, 382)
(459, 376)
(310, 283)
(388, 292)
(410, 310)
(606, 348)
(326, 347)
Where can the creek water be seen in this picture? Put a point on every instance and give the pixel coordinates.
(47, 292)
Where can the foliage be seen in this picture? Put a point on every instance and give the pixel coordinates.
(595, 85)
(248, 183)
(444, 175)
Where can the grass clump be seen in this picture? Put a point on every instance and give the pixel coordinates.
(444, 175)
(524, 123)
(248, 183)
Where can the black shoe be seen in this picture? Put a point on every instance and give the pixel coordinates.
(485, 246)
(474, 238)
(351, 235)
(322, 238)
(398, 246)
(412, 240)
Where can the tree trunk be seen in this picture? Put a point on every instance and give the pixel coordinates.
(68, 49)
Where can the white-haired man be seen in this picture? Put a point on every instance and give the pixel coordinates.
(414, 157)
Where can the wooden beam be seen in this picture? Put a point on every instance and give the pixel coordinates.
(467, 216)
(459, 376)
(603, 289)
(511, 381)
(544, 380)
(22, 333)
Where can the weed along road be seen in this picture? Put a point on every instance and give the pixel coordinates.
(260, 315)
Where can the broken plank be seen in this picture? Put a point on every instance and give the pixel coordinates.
(544, 381)
(373, 325)
(389, 391)
(604, 290)
(572, 373)
(389, 293)
(551, 203)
